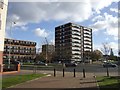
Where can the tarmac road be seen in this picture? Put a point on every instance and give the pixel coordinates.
(97, 69)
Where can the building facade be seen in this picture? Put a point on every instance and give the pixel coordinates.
(72, 41)
(48, 48)
(19, 50)
(3, 14)
(47, 51)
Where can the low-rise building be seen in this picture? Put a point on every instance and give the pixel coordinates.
(19, 50)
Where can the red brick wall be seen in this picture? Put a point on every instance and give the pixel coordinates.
(1, 61)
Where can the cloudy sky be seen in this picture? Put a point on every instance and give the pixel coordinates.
(37, 20)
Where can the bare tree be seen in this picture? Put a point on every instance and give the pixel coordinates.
(106, 49)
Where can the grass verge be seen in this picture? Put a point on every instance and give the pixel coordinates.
(108, 82)
(10, 81)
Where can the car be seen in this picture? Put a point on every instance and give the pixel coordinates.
(15, 62)
(107, 64)
(41, 63)
(117, 62)
(86, 61)
(70, 64)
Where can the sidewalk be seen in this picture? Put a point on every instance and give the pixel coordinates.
(61, 82)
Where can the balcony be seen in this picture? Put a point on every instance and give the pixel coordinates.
(87, 33)
(76, 42)
(87, 44)
(76, 34)
(76, 50)
(87, 40)
(88, 47)
(87, 37)
(76, 54)
(76, 38)
(89, 30)
(75, 57)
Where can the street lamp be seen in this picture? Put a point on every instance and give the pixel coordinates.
(12, 23)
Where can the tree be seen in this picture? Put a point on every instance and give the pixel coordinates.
(96, 55)
(54, 57)
(106, 50)
(87, 54)
(40, 57)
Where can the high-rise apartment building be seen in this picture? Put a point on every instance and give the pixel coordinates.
(3, 14)
(19, 50)
(72, 41)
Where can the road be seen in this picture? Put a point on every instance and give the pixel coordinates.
(97, 69)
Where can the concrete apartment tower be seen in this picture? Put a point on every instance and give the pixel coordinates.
(72, 41)
(3, 14)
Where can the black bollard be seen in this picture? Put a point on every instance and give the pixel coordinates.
(74, 72)
(83, 73)
(107, 72)
(54, 72)
(63, 72)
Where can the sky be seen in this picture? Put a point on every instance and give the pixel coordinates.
(37, 20)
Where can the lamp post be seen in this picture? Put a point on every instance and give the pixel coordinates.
(12, 23)
(46, 50)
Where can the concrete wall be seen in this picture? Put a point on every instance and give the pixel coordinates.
(3, 12)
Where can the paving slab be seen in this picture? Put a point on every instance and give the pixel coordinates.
(59, 82)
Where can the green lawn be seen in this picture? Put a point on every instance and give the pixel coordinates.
(42, 66)
(108, 82)
(7, 82)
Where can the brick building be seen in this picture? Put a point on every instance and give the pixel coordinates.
(20, 50)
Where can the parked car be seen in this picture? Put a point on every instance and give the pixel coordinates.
(15, 62)
(117, 62)
(107, 64)
(70, 64)
(86, 61)
(42, 63)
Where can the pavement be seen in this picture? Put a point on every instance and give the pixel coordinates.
(68, 81)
